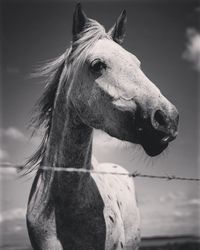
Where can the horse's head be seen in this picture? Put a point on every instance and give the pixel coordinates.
(111, 92)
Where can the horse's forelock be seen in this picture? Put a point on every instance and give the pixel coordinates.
(91, 34)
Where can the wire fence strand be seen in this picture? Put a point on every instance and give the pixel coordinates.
(93, 171)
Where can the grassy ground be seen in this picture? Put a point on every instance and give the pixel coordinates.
(171, 243)
(17, 239)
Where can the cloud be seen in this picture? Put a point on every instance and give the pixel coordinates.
(168, 220)
(18, 228)
(3, 154)
(173, 196)
(18, 144)
(18, 135)
(192, 53)
(36, 140)
(14, 133)
(194, 202)
(181, 214)
(102, 139)
(8, 171)
(176, 212)
(104, 142)
(110, 149)
(17, 213)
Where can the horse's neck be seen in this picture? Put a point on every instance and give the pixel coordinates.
(70, 140)
(69, 145)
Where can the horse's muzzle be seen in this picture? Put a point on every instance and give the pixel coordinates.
(156, 133)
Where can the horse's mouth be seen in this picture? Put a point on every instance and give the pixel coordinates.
(153, 148)
(154, 142)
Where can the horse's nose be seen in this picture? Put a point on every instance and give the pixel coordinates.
(166, 122)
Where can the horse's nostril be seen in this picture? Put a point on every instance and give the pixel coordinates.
(160, 118)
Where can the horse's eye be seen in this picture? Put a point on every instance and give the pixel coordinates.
(97, 66)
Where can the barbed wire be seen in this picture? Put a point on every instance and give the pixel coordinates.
(93, 171)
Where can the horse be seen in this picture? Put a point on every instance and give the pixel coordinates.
(94, 84)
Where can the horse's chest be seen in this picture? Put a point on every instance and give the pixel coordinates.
(106, 208)
(100, 215)
(120, 211)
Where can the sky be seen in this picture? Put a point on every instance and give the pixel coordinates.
(165, 37)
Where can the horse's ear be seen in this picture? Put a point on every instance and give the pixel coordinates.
(117, 32)
(79, 21)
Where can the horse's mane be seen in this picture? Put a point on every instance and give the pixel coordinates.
(58, 72)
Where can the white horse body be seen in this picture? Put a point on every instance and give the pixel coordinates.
(94, 84)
